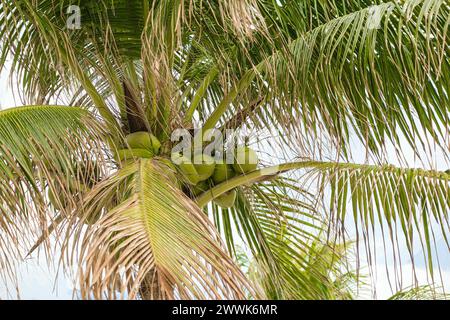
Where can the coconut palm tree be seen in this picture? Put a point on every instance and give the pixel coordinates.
(87, 168)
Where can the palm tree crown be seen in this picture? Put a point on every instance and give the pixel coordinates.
(91, 160)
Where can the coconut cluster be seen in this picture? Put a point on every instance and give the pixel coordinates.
(199, 173)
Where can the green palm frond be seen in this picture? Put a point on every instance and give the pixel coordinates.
(380, 70)
(323, 274)
(41, 149)
(375, 82)
(42, 144)
(277, 226)
(282, 245)
(280, 229)
(420, 293)
(113, 35)
(411, 202)
(155, 238)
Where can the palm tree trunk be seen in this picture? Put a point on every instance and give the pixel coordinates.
(135, 115)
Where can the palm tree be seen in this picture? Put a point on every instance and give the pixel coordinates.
(305, 79)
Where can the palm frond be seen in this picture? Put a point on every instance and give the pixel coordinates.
(379, 71)
(113, 35)
(41, 149)
(408, 202)
(411, 202)
(407, 206)
(276, 224)
(287, 229)
(324, 274)
(155, 244)
(420, 293)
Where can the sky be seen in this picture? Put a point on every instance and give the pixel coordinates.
(6, 93)
(40, 282)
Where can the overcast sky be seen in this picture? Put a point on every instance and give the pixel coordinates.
(6, 95)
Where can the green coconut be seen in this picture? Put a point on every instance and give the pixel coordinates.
(223, 172)
(187, 168)
(200, 187)
(156, 144)
(130, 154)
(139, 140)
(226, 200)
(246, 160)
(204, 165)
(143, 140)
